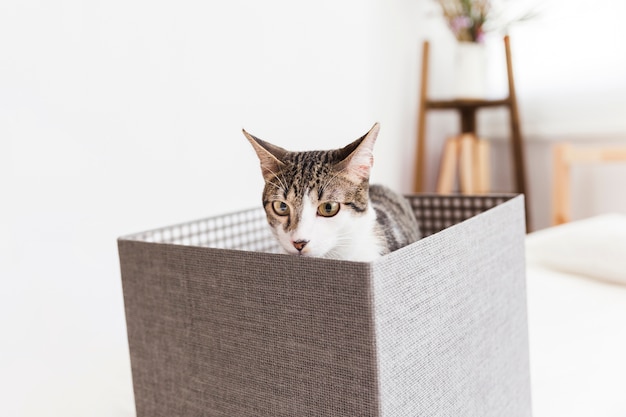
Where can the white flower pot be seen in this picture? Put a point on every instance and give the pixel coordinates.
(470, 70)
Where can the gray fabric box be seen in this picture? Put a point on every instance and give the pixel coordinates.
(220, 326)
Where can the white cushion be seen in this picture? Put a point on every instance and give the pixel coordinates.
(593, 247)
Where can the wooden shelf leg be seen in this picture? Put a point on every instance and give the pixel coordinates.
(420, 157)
(448, 167)
(467, 163)
(516, 134)
(482, 165)
(561, 185)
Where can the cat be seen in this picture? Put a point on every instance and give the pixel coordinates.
(320, 203)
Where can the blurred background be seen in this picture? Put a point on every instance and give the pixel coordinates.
(120, 116)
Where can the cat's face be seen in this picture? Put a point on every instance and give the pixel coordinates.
(316, 201)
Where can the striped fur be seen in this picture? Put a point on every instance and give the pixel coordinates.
(395, 219)
(319, 203)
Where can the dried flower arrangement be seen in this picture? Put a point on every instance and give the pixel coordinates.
(469, 20)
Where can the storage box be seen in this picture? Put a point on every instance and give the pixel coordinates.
(220, 326)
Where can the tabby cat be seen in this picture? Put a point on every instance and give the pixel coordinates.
(320, 203)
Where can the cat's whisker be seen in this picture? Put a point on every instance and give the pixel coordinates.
(328, 181)
(282, 183)
(278, 185)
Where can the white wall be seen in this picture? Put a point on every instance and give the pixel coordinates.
(118, 116)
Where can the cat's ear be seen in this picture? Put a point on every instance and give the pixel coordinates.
(357, 158)
(269, 155)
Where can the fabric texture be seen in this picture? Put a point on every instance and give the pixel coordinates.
(451, 324)
(437, 328)
(223, 333)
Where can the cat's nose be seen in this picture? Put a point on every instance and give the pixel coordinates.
(300, 244)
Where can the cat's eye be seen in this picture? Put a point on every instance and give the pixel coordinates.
(280, 207)
(328, 209)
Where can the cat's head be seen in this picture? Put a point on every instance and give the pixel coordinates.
(317, 201)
